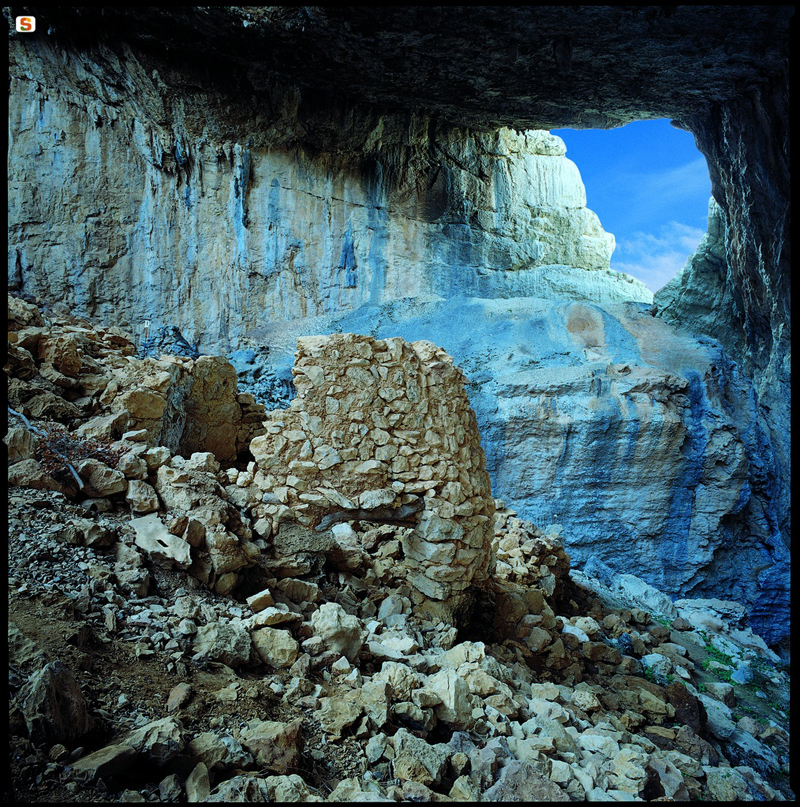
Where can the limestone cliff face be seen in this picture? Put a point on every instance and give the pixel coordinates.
(639, 439)
(131, 204)
(737, 287)
(254, 191)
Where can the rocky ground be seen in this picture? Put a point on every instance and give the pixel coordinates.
(314, 672)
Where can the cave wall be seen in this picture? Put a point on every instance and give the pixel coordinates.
(143, 157)
(133, 201)
(737, 286)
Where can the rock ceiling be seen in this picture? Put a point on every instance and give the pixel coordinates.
(526, 66)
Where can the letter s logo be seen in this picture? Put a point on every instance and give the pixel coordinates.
(26, 25)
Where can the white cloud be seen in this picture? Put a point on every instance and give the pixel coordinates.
(656, 259)
(686, 181)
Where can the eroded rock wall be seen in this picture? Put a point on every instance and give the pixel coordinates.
(136, 198)
(737, 286)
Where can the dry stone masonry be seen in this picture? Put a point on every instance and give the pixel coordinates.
(382, 430)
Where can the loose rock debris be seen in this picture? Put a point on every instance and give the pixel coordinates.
(178, 628)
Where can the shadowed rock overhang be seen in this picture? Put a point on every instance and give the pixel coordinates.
(534, 67)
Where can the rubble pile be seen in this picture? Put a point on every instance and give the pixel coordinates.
(526, 555)
(170, 639)
(89, 378)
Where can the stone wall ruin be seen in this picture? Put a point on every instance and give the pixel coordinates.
(381, 430)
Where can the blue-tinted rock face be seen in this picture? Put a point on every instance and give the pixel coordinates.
(132, 217)
(137, 197)
(639, 439)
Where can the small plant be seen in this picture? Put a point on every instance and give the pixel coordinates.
(57, 450)
(721, 674)
(761, 664)
(701, 687)
(718, 655)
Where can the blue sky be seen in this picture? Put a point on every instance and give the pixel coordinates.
(649, 185)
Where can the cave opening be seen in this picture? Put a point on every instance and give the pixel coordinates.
(650, 187)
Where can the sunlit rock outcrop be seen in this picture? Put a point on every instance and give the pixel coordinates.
(258, 231)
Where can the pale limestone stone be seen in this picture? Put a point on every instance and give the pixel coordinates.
(225, 550)
(159, 741)
(108, 761)
(141, 497)
(276, 647)
(670, 777)
(416, 760)
(521, 781)
(289, 788)
(376, 696)
(202, 461)
(338, 713)
(339, 630)
(21, 444)
(588, 625)
(226, 642)
(136, 436)
(585, 700)
(272, 615)
(275, 745)
(720, 722)
(104, 427)
(455, 707)
(100, 479)
(401, 679)
(300, 591)
(159, 542)
(260, 601)
(156, 457)
(626, 770)
(560, 772)
(606, 746)
(464, 789)
(133, 466)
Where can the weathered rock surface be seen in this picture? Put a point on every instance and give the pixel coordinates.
(417, 209)
(503, 200)
(275, 745)
(54, 707)
(382, 430)
(108, 761)
(228, 643)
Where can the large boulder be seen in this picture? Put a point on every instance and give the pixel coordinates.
(54, 707)
(226, 642)
(339, 630)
